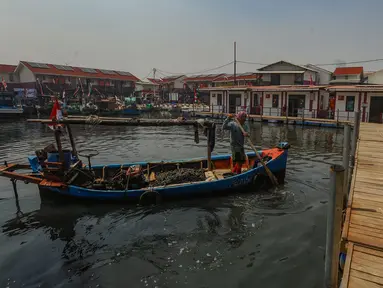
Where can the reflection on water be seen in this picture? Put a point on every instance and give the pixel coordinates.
(272, 238)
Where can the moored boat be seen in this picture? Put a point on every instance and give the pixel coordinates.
(8, 106)
(59, 172)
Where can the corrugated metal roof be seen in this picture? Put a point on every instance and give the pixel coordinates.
(5, 68)
(51, 69)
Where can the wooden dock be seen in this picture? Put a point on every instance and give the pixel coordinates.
(363, 227)
(282, 119)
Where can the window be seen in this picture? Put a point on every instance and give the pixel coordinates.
(298, 79)
(219, 99)
(350, 103)
(346, 77)
(275, 100)
(11, 77)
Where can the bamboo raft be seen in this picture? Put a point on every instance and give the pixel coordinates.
(363, 227)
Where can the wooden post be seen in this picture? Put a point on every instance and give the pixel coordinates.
(354, 141)
(59, 146)
(346, 155)
(334, 224)
(208, 150)
(72, 143)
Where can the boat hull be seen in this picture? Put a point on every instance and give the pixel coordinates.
(11, 113)
(130, 111)
(204, 188)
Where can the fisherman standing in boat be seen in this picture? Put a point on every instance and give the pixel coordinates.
(237, 139)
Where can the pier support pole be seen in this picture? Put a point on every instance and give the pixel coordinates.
(334, 224)
(346, 156)
(354, 141)
(355, 136)
(208, 150)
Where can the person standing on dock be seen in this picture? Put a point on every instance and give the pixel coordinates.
(237, 139)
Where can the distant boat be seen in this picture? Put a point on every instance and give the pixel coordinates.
(8, 107)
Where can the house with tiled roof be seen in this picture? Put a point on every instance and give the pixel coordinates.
(348, 76)
(55, 78)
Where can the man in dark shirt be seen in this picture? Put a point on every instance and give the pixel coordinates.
(237, 139)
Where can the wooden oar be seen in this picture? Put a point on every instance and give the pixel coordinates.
(269, 173)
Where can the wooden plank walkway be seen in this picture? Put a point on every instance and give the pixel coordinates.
(363, 227)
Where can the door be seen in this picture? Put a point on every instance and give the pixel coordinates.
(234, 102)
(296, 104)
(255, 109)
(376, 109)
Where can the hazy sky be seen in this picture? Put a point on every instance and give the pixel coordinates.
(190, 35)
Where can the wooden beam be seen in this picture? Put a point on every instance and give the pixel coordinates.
(72, 143)
(123, 121)
(59, 146)
(22, 177)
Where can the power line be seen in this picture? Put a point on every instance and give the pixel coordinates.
(198, 72)
(252, 63)
(324, 64)
(352, 62)
(150, 72)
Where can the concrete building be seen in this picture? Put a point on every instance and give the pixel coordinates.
(365, 98)
(49, 78)
(331, 102)
(295, 100)
(347, 76)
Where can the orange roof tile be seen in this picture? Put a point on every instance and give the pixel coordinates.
(348, 71)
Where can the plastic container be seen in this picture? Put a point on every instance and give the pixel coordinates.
(55, 157)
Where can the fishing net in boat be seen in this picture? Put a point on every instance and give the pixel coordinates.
(178, 176)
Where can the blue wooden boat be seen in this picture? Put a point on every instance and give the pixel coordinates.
(60, 172)
(219, 180)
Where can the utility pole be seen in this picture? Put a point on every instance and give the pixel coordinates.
(154, 77)
(235, 63)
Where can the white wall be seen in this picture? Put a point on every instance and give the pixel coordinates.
(268, 109)
(26, 75)
(341, 105)
(323, 76)
(349, 77)
(214, 101)
(376, 78)
(179, 83)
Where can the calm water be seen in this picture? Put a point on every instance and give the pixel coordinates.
(268, 239)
